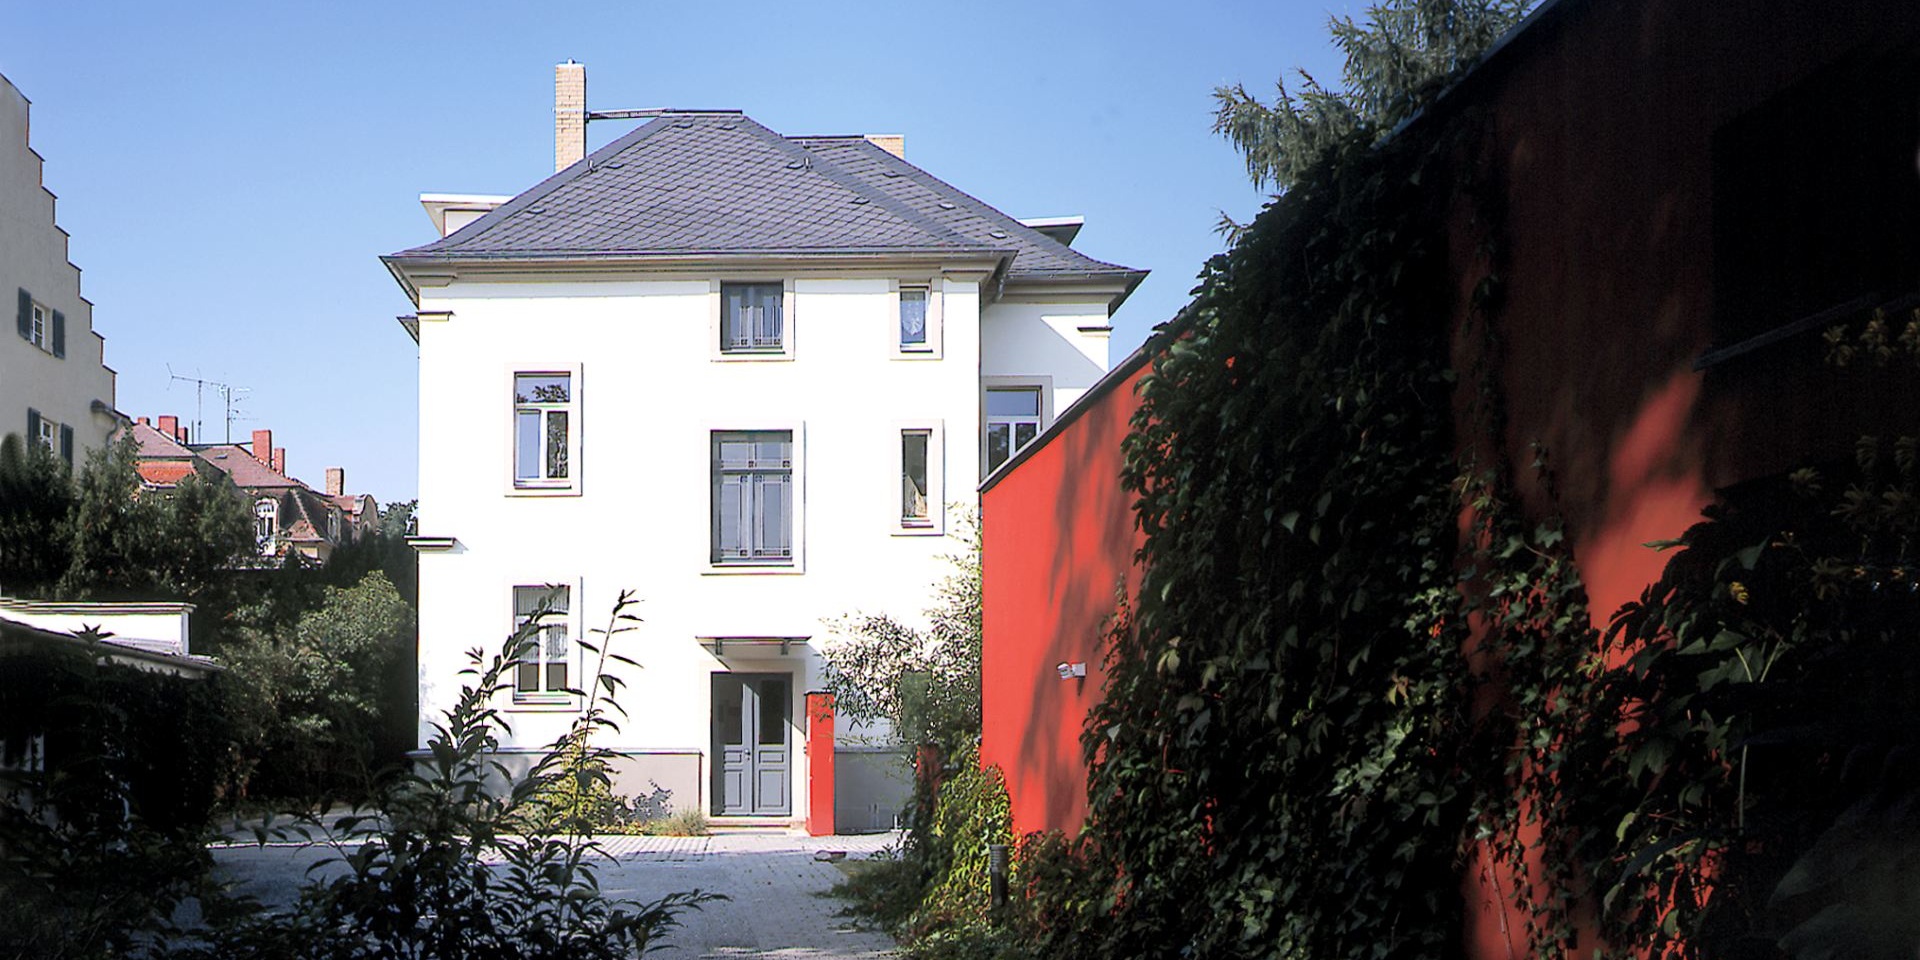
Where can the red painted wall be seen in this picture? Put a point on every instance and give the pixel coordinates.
(1603, 115)
(1057, 540)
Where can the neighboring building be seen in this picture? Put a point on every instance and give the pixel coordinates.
(744, 375)
(149, 636)
(54, 384)
(1692, 194)
(48, 657)
(288, 515)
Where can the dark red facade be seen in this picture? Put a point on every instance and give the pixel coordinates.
(1688, 189)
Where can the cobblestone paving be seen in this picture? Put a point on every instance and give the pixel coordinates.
(778, 906)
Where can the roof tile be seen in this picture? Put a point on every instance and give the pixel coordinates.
(701, 183)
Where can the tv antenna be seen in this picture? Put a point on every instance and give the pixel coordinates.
(228, 395)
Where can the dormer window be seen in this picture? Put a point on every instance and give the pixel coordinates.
(266, 524)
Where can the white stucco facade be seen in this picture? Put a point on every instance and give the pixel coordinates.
(44, 384)
(650, 389)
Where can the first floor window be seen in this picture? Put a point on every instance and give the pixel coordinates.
(753, 497)
(751, 318)
(914, 510)
(24, 753)
(540, 626)
(542, 429)
(1013, 421)
(50, 434)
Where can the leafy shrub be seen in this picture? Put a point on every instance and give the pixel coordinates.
(308, 698)
(924, 683)
(458, 858)
(101, 845)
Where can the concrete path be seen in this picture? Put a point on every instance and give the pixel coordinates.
(778, 906)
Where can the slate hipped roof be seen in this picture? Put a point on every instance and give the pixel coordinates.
(711, 183)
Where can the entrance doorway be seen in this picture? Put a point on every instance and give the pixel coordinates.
(752, 744)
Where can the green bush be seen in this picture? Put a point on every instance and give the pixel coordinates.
(102, 845)
(458, 859)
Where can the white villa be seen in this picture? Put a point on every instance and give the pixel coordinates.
(743, 375)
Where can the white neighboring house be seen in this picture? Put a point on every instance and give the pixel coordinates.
(144, 636)
(54, 385)
(743, 375)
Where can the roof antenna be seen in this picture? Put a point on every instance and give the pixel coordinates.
(227, 393)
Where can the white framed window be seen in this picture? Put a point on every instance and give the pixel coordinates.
(546, 430)
(753, 498)
(42, 326)
(1015, 414)
(916, 324)
(266, 524)
(922, 478)
(755, 319)
(49, 435)
(543, 664)
(751, 319)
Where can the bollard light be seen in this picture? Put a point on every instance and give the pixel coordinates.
(997, 874)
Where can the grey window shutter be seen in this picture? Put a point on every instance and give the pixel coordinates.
(26, 315)
(66, 444)
(33, 426)
(59, 334)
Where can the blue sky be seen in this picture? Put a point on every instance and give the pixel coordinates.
(230, 172)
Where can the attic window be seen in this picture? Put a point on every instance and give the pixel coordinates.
(752, 319)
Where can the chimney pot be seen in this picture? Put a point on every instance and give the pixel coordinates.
(263, 446)
(569, 114)
(336, 481)
(279, 460)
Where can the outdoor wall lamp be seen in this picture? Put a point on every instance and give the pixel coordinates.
(1069, 671)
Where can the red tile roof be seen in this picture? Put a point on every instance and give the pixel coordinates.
(163, 473)
(236, 462)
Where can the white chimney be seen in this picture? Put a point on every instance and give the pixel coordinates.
(890, 142)
(569, 114)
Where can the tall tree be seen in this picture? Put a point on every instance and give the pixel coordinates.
(36, 495)
(1397, 59)
(126, 542)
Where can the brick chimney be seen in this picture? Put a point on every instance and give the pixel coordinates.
(280, 460)
(890, 142)
(569, 114)
(171, 427)
(143, 422)
(336, 481)
(263, 446)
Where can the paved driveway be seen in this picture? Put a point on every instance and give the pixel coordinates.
(778, 907)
